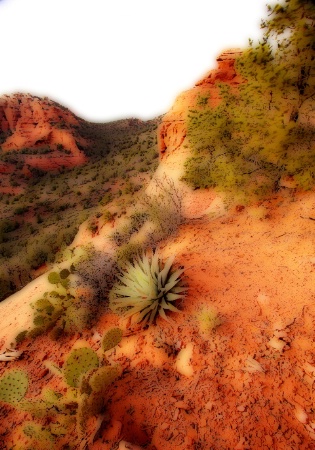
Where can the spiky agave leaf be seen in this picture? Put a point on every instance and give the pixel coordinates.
(147, 288)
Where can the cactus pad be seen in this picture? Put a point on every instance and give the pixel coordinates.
(54, 278)
(103, 377)
(43, 304)
(51, 396)
(37, 432)
(111, 338)
(13, 386)
(80, 361)
(64, 274)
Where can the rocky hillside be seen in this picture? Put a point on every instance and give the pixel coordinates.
(171, 317)
(238, 357)
(58, 171)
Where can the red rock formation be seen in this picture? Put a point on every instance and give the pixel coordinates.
(34, 122)
(225, 72)
(172, 131)
(30, 122)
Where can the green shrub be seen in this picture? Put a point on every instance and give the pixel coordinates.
(127, 252)
(21, 210)
(261, 133)
(164, 208)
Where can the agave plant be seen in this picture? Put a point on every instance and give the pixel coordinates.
(146, 288)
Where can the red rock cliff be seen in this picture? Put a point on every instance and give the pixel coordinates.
(31, 122)
(172, 131)
(44, 134)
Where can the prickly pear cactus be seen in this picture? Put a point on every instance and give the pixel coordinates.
(89, 405)
(111, 338)
(54, 278)
(13, 386)
(103, 377)
(59, 278)
(64, 274)
(80, 361)
(92, 389)
(38, 433)
(51, 396)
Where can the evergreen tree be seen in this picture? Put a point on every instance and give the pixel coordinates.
(261, 133)
(290, 33)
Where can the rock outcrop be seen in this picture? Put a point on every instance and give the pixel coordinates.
(40, 133)
(172, 131)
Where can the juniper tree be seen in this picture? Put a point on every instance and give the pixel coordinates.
(255, 136)
(290, 34)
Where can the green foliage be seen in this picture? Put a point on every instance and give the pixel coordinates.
(47, 311)
(138, 218)
(21, 336)
(259, 133)
(107, 198)
(21, 210)
(50, 396)
(37, 408)
(101, 378)
(59, 311)
(59, 278)
(111, 338)
(147, 288)
(80, 361)
(127, 252)
(88, 383)
(202, 100)
(293, 55)
(165, 207)
(107, 216)
(5, 286)
(35, 332)
(7, 226)
(64, 274)
(92, 398)
(13, 386)
(54, 278)
(55, 209)
(208, 320)
(38, 433)
(57, 414)
(44, 305)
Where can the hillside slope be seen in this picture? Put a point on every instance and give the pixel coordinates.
(234, 369)
(58, 171)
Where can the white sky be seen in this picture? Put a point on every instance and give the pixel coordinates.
(111, 59)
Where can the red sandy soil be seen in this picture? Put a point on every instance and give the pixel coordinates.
(249, 383)
(252, 376)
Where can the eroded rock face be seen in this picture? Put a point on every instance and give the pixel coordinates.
(225, 72)
(172, 131)
(38, 135)
(31, 122)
